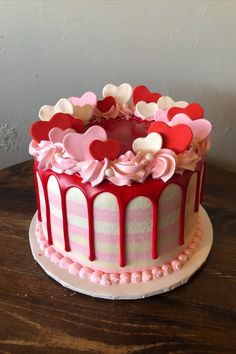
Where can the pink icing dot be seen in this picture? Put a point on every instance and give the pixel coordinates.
(65, 262)
(176, 265)
(188, 252)
(136, 277)
(41, 237)
(193, 246)
(43, 245)
(157, 273)
(124, 278)
(96, 276)
(199, 228)
(74, 268)
(85, 273)
(199, 233)
(167, 269)
(183, 258)
(56, 257)
(196, 239)
(146, 276)
(115, 278)
(49, 251)
(105, 281)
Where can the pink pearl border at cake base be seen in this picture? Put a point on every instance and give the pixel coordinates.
(107, 279)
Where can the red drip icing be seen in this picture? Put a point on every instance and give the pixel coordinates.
(154, 229)
(151, 189)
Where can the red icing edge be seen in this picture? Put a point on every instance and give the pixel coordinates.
(151, 189)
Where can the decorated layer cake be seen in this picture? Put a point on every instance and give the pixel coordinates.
(118, 184)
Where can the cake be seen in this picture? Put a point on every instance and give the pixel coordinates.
(118, 184)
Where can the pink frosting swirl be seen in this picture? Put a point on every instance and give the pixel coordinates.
(187, 160)
(163, 165)
(52, 156)
(127, 168)
(93, 171)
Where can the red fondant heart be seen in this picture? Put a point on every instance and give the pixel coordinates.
(101, 149)
(141, 93)
(176, 138)
(40, 129)
(77, 124)
(106, 104)
(193, 111)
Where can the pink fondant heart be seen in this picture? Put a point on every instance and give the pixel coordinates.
(87, 98)
(201, 128)
(77, 145)
(56, 135)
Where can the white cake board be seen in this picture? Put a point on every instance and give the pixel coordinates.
(129, 291)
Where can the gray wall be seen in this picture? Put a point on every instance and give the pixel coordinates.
(54, 49)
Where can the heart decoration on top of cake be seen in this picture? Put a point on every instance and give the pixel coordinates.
(121, 93)
(201, 128)
(106, 104)
(176, 138)
(109, 149)
(151, 143)
(87, 98)
(77, 145)
(193, 111)
(142, 93)
(40, 129)
(119, 184)
(62, 106)
(166, 102)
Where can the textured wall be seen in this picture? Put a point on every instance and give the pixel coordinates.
(54, 49)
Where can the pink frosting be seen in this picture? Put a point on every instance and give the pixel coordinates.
(188, 160)
(164, 165)
(92, 171)
(52, 156)
(107, 279)
(127, 168)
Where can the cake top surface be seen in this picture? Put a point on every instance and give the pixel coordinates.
(126, 137)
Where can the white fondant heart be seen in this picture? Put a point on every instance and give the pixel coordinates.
(87, 98)
(144, 110)
(166, 102)
(56, 135)
(77, 145)
(62, 106)
(121, 93)
(84, 113)
(201, 128)
(151, 143)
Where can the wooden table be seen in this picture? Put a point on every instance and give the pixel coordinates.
(40, 316)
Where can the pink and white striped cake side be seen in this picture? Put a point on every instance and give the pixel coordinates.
(106, 226)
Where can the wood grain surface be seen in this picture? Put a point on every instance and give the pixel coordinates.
(40, 316)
